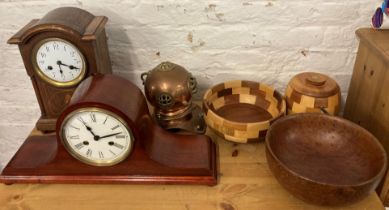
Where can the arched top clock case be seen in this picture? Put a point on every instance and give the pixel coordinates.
(81, 28)
(157, 156)
(121, 97)
(112, 93)
(75, 28)
(68, 20)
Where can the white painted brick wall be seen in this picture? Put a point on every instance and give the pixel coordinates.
(263, 40)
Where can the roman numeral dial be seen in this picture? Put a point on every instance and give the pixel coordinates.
(96, 136)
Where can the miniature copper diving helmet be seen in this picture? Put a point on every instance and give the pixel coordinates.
(169, 88)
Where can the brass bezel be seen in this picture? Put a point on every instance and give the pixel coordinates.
(87, 160)
(48, 79)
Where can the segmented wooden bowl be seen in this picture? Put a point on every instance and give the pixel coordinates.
(310, 92)
(242, 111)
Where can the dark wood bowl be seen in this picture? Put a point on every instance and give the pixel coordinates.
(323, 159)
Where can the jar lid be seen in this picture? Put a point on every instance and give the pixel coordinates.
(314, 84)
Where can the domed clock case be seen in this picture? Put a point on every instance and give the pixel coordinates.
(157, 156)
(60, 50)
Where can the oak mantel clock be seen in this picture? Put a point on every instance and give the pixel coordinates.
(59, 51)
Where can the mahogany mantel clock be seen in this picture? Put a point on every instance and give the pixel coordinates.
(107, 135)
(59, 51)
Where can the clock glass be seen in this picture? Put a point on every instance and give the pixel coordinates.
(58, 62)
(96, 136)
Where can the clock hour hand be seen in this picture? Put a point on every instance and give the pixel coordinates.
(109, 135)
(61, 64)
(71, 67)
(96, 137)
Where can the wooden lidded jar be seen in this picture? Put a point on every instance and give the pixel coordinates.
(310, 91)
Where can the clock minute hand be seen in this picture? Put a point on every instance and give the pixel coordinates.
(109, 135)
(60, 70)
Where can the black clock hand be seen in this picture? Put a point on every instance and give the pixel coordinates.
(90, 130)
(59, 65)
(106, 136)
(95, 137)
(60, 70)
(71, 67)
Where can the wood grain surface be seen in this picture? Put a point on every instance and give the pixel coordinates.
(85, 31)
(368, 98)
(245, 183)
(241, 111)
(311, 91)
(157, 157)
(336, 161)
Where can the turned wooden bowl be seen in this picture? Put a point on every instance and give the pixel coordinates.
(311, 92)
(323, 159)
(242, 111)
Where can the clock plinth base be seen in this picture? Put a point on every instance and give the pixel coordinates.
(46, 124)
(41, 160)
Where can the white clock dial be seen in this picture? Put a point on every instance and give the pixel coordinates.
(97, 137)
(59, 61)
